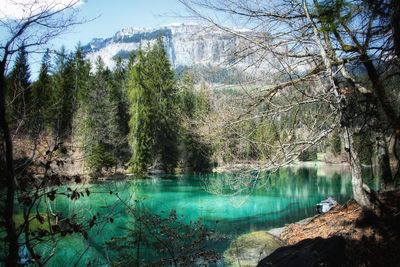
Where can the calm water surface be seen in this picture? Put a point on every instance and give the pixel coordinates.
(274, 201)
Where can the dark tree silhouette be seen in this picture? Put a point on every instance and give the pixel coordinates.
(38, 24)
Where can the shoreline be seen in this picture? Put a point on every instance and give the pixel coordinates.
(279, 230)
(228, 168)
(356, 236)
(237, 167)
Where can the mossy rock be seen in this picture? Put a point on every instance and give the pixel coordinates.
(249, 249)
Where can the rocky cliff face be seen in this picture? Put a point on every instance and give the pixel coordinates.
(186, 44)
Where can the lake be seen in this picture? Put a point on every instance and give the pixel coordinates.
(273, 201)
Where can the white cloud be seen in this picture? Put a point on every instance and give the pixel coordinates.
(18, 9)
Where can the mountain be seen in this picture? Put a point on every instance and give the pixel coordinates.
(186, 44)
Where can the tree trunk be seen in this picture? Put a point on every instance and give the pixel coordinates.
(385, 170)
(12, 236)
(385, 102)
(395, 23)
(359, 189)
(359, 193)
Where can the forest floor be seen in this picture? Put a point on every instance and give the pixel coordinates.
(345, 236)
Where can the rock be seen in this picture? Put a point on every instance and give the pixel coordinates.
(276, 231)
(248, 249)
(186, 45)
(309, 252)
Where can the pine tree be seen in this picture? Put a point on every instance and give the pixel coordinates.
(98, 122)
(142, 110)
(19, 94)
(163, 82)
(194, 152)
(120, 95)
(81, 76)
(69, 90)
(61, 97)
(187, 94)
(70, 81)
(119, 82)
(41, 95)
(154, 123)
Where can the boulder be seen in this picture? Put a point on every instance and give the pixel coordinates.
(249, 249)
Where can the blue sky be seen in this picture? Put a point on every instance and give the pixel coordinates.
(106, 17)
(113, 15)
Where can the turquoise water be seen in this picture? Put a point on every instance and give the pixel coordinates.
(275, 200)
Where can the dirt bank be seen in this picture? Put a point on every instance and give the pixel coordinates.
(358, 237)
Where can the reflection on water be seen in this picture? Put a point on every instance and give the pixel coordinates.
(275, 200)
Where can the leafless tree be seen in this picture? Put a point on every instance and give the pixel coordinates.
(38, 23)
(311, 49)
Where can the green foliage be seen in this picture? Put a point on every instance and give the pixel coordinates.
(41, 95)
(142, 122)
(98, 121)
(308, 155)
(99, 157)
(120, 95)
(19, 91)
(81, 74)
(64, 95)
(73, 93)
(70, 83)
(195, 153)
(187, 95)
(153, 123)
(333, 12)
(163, 82)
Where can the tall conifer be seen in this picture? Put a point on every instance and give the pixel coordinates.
(195, 154)
(41, 95)
(154, 122)
(142, 111)
(120, 95)
(98, 121)
(60, 98)
(162, 81)
(19, 93)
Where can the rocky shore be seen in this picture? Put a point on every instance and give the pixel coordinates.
(345, 236)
